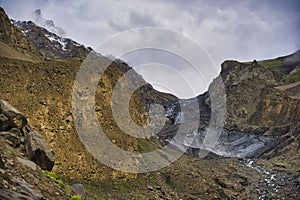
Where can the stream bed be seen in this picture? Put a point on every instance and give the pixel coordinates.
(274, 184)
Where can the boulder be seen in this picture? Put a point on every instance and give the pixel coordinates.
(16, 118)
(38, 151)
(78, 189)
(27, 163)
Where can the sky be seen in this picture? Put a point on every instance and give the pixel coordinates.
(224, 29)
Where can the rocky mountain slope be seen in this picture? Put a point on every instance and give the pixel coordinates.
(43, 92)
(20, 145)
(13, 43)
(50, 45)
(49, 105)
(259, 105)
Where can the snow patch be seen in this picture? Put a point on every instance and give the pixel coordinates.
(179, 118)
(25, 32)
(56, 39)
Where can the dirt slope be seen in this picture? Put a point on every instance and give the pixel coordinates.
(14, 38)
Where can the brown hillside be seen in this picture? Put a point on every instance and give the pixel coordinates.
(15, 39)
(43, 91)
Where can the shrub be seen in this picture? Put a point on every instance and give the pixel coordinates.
(76, 197)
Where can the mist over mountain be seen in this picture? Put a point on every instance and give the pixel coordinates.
(48, 24)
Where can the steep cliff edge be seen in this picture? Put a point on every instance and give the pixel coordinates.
(257, 104)
(262, 112)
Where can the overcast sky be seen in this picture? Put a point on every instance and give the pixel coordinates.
(226, 29)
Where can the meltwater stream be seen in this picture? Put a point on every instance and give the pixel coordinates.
(275, 184)
(272, 184)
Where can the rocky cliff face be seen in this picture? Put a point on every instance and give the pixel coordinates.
(253, 99)
(262, 110)
(255, 104)
(50, 45)
(47, 98)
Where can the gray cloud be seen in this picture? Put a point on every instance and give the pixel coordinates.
(229, 29)
(137, 19)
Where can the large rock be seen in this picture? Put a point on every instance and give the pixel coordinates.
(38, 151)
(78, 189)
(27, 163)
(16, 118)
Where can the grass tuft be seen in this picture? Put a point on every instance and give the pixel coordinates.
(76, 197)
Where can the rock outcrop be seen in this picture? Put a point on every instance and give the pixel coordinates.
(50, 45)
(20, 176)
(38, 150)
(47, 23)
(14, 118)
(259, 107)
(16, 131)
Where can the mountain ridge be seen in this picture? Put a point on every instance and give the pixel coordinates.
(15, 41)
(50, 45)
(47, 100)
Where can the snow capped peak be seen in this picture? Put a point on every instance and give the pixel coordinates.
(49, 44)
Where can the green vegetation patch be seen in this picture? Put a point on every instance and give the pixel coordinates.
(76, 197)
(114, 188)
(273, 65)
(54, 176)
(293, 77)
(50, 174)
